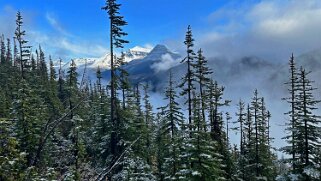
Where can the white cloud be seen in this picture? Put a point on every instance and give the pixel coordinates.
(166, 63)
(52, 20)
(59, 43)
(271, 29)
(82, 49)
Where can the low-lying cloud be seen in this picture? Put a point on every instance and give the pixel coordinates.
(166, 63)
(271, 29)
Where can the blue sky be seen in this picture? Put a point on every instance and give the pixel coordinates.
(150, 22)
(271, 29)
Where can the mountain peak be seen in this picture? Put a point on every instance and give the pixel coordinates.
(159, 48)
(140, 49)
(157, 52)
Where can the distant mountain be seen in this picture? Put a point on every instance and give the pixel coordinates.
(104, 62)
(91, 64)
(142, 70)
(244, 74)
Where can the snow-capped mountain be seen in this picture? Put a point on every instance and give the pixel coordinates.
(103, 62)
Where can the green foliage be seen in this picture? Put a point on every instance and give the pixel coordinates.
(52, 128)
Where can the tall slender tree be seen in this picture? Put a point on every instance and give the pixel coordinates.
(241, 118)
(172, 124)
(9, 53)
(216, 101)
(292, 89)
(2, 49)
(24, 50)
(202, 72)
(188, 79)
(116, 33)
(307, 126)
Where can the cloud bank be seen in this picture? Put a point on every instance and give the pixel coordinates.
(272, 29)
(166, 63)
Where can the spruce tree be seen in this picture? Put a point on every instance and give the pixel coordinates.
(202, 72)
(9, 53)
(172, 123)
(290, 139)
(241, 118)
(204, 162)
(116, 41)
(259, 147)
(215, 99)
(24, 50)
(188, 79)
(307, 126)
(149, 121)
(123, 82)
(249, 146)
(255, 108)
(2, 50)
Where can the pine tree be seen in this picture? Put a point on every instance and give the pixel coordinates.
(202, 72)
(204, 163)
(15, 52)
(42, 66)
(116, 32)
(161, 141)
(53, 74)
(249, 146)
(24, 50)
(215, 97)
(11, 160)
(307, 126)
(149, 121)
(62, 93)
(74, 118)
(259, 147)
(290, 139)
(122, 79)
(188, 79)
(29, 113)
(172, 123)
(9, 53)
(241, 118)
(255, 108)
(2, 50)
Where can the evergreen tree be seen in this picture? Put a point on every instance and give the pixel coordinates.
(149, 121)
(116, 41)
(122, 79)
(241, 118)
(202, 153)
(2, 49)
(29, 113)
(290, 139)
(215, 99)
(9, 53)
(249, 146)
(202, 72)
(255, 108)
(307, 126)
(188, 79)
(24, 50)
(172, 123)
(12, 162)
(259, 147)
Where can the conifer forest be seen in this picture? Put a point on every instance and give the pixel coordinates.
(58, 125)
